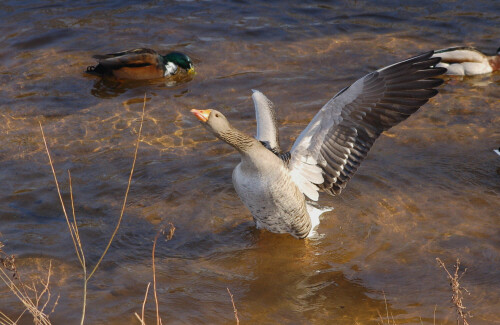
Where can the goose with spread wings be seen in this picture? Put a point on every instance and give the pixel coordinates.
(274, 184)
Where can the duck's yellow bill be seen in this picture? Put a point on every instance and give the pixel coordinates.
(191, 71)
(201, 115)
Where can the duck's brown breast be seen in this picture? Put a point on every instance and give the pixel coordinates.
(138, 73)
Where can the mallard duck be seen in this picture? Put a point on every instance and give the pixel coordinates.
(467, 61)
(140, 64)
(274, 184)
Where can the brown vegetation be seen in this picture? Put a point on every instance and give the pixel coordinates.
(234, 307)
(168, 236)
(457, 294)
(35, 296)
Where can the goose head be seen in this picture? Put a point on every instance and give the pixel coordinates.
(214, 121)
(217, 123)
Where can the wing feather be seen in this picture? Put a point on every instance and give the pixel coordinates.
(331, 148)
(267, 126)
(131, 58)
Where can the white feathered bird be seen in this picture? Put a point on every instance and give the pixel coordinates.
(274, 185)
(467, 61)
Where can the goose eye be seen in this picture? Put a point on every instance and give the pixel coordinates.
(216, 115)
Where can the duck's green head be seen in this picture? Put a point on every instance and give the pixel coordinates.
(181, 60)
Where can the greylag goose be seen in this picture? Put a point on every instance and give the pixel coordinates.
(467, 61)
(274, 185)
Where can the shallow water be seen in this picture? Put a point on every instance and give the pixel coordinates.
(429, 188)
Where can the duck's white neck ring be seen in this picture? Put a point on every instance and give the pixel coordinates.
(170, 69)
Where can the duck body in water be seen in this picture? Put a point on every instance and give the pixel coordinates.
(467, 61)
(274, 185)
(140, 64)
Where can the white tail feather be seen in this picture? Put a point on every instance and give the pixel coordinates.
(314, 214)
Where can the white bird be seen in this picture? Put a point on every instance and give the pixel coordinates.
(274, 185)
(467, 61)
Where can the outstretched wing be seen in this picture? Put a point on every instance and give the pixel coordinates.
(131, 58)
(267, 127)
(329, 151)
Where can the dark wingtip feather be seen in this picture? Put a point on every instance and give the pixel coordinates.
(403, 88)
(435, 60)
(421, 56)
(441, 71)
(434, 92)
(437, 81)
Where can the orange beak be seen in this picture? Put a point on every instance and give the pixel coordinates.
(201, 115)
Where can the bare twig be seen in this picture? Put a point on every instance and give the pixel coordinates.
(76, 235)
(386, 313)
(5, 320)
(73, 226)
(457, 295)
(141, 318)
(234, 307)
(144, 302)
(34, 299)
(158, 319)
(60, 196)
(168, 237)
(126, 193)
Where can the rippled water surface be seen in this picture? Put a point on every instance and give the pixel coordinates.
(429, 188)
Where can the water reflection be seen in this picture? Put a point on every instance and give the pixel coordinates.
(289, 281)
(107, 87)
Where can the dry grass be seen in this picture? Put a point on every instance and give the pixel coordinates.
(456, 299)
(73, 226)
(168, 236)
(388, 321)
(234, 307)
(36, 297)
(457, 294)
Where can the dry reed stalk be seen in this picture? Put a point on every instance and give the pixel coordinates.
(141, 318)
(5, 320)
(34, 298)
(73, 226)
(126, 192)
(158, 319)
(234, 307)
(386, 313)
(457, 295)
(168, 236)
